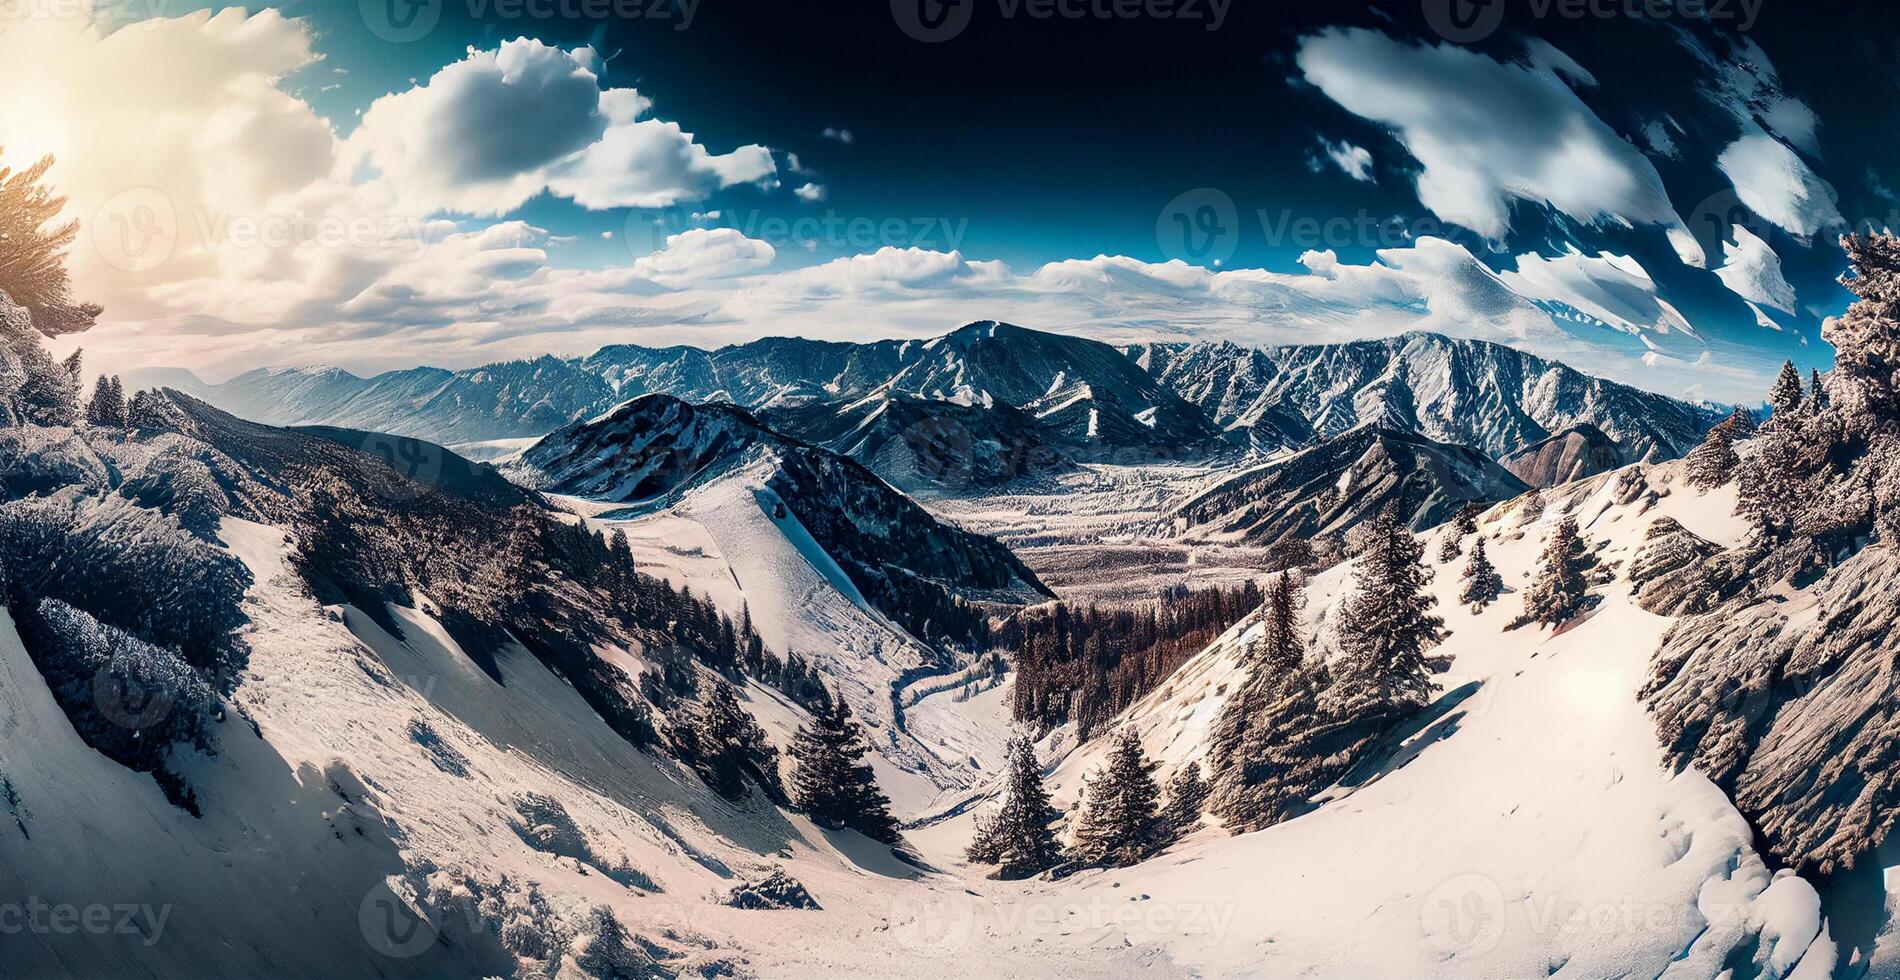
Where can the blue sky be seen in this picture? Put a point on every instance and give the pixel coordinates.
(1592, 173)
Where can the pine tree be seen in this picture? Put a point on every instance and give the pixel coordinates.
(107, 408)
(1482, 582)
(1784, 396)
(832, 783)
(1467, 520)
(1562, 589)
(1121, 821)
(1019, 839)
(1711, 463)
(1817, 393)
(33, 263)
(1448, 549)
(1866, 338)
(729, 749)
(1739, 424)
(1386, 628)
(1187, 794)
(1244, 746)
(1769, 483)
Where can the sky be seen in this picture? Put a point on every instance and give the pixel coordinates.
(1650, 192)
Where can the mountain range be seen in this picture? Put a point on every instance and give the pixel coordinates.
(1024, 400)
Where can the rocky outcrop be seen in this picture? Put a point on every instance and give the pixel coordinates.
(1572, 454)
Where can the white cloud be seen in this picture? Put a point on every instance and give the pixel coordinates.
(810, 192)
(1612, 289)
(485, 134)
(1489, 133)
(1352, 160)
(841, 135)
(1778, 185)
(702, 254)
(1752, 270)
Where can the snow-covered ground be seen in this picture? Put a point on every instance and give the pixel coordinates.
(1528, 829)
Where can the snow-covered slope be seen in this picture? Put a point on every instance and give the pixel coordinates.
(1465, 392)
(1529, 826)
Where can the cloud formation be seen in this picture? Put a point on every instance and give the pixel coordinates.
(1353, 161)
(1488, 133)
(485, 134)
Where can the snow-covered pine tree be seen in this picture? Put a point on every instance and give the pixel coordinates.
(1817, 394)
(102, 411)
(1713, 461)
(729, 749)
(832, 783)
(1561, 589)
(1865, 338)
(1019, 839)
(1187, 794)
(1467, 520)
(1386, 627)
(1121, 821)
(1482, 582)
(1448, 549)
(1242, 742)
(1784, 396)
(1739, 424)
(1770, 483)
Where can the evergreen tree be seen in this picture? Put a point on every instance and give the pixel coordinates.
(1386, 627)
(1784, 396)
(1770, 482)
(1448, 549)
(1711, 463)
(728, 748)
(1562, 588)
(1247, 745)
(1482, 582)
(1121, 820)
(107, 408)
(832, 783)
(1467, 520)
(1817, 393)
(33, 263)
(1866, 338)
(1019, 838)
(1739, 424)
(1187, 794)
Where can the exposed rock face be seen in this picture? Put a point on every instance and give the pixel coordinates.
(1572, 454)
(1677, 573)
(1793, 706)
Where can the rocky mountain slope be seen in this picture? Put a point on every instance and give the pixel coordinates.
(1572, 454)
(1338, 484)
(1464, 392)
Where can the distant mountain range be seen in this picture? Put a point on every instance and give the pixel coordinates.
(991, 402)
